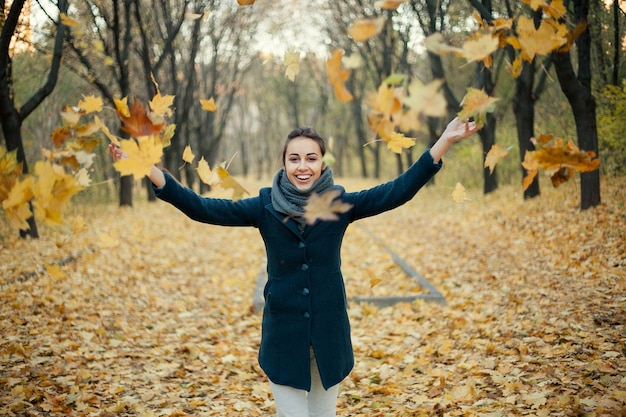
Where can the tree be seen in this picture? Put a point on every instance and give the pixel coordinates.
(12, 116)
(577, 88)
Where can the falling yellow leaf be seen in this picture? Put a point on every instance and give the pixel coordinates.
(324, 206)
(208, 105)
(396, 142)
(426, 98)
(141, 156)
(477, 104)
(68, 21)
(495, 154)
(539, 41)
(459, 194)
(364, 29)
(91, 104)
(480, 47)
(122, 106)
(228, 182)
(52, 192)
(16, 204)
(558, 158)
(161, 105)
(292, 62)
(71, 115)
(188, 155)
(114, 139)
(207, 176)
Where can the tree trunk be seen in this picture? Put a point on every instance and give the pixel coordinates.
(577, 89)
(524, 110)
(11, 118)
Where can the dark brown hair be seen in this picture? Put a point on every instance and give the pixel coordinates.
(304, 132)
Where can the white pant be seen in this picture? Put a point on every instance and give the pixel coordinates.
(293, 402)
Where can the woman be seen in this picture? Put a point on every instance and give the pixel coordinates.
(305, 348)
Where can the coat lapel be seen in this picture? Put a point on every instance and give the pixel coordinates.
(283, 218)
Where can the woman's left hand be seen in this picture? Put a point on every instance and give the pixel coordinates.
(459, 129)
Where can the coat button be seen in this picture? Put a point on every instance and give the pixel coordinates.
(305, 267)
(301, 245)
(305, 291)
(306, 315)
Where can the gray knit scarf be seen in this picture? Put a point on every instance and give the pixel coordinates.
(289, 200)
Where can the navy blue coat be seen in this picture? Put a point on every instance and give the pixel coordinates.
(305, 298)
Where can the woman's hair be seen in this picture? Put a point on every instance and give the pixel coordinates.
(304, 132)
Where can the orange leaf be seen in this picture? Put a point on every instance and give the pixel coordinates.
(138, 124)
(245, 2)
(324, 207)
(495, 154)
(338, 76)
(364, 29)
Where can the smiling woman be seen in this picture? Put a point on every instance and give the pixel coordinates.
(306, 347)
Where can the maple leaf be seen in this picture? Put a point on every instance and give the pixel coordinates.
(477, 104)
(228, 182)
(16, 204)
(71, 115)
(208, 105)
(122, 106)
(188, 155)
(338, 76)
(559, 159)
(324, 207)
(205, 173)
(52, 191)
(386, 102)
(495, 154)
(364, 29)
(138, 123)
(459, 194)
(539, 41)
(292, 62)
(90, 104)
(397, 141)
(245, 2)
(141, 156)
(104, 129)
(480, 47)
(160, 105)
(426, 98)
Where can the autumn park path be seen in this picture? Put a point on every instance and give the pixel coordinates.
(152, 314)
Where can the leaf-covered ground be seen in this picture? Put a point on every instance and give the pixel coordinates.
(144, 312)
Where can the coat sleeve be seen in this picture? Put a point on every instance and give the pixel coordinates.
(223, 212)
(394, 193)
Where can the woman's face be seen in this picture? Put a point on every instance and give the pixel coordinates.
(303, 162)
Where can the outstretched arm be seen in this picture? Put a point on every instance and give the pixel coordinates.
(156, 175)
(455, 131)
